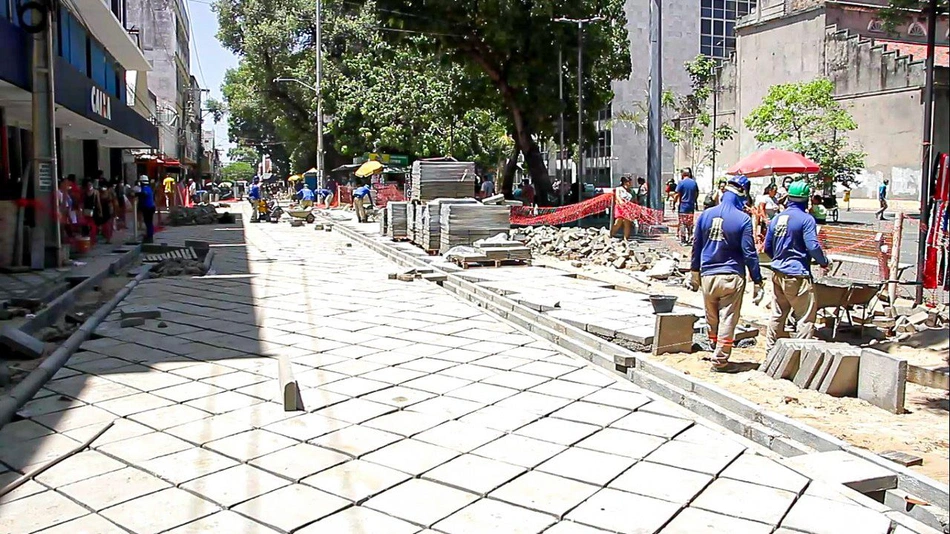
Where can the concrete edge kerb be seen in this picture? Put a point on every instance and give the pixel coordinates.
(772, 430)
(49, 314)
(25, 390)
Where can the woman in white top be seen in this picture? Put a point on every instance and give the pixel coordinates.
(622, 195)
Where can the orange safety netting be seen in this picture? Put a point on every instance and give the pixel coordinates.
(383, 194)
(532, 216)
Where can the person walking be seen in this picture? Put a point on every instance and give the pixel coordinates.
(146, 207)
(686, 195)
(255, 196)
(643, 192)
(882, 198)
(723, 249)
(487, 188)
(622, 195)
(792, 242)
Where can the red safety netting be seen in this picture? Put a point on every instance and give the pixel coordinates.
(382, 193)
(532, 216)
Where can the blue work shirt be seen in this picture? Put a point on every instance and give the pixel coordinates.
(723, 243)
(254, 193)
(324, 192)
(882, 191)
(362, 192)
(688, 191)
(305, 194)
(792, 239)
(146, 198)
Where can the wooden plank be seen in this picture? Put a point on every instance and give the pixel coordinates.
(930, 378)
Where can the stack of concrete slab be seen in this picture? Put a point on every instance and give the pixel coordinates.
(442, 179)
(830, 368)
(503, 250)
(397, 220)
(428, 233)
(384, 222)
(464, 224)
(418, 216)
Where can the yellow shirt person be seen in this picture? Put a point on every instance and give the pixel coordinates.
(169, 184)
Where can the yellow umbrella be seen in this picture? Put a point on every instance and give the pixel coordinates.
(369, 168)
(295, 178)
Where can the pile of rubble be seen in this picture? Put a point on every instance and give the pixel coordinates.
(178, 267)
(201, 214)
(593, 246)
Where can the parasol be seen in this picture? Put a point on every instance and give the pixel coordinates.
(369, 168)
(773, 161)
(295, 178)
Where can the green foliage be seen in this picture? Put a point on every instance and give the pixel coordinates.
(692, 116)
(902, 11)
(216, 108)
(244, 153)
(236, 171)
(805, 117)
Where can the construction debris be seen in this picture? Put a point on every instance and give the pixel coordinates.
(202, 214)
(20, 345)
(595, 246)
(178, 267)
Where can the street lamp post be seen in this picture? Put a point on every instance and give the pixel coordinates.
(655, 118)
(580, 97)
(320, 178)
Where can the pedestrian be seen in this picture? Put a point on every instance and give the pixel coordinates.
(527, 193)
(255, 197)
(781, 195)
(105, 220)
(622, 195)
(792, 242)
(671, 192)
(361, 196)
(882, 198)
(686, 195)
(192, 190)
(146, 207)
(91, 208)
(119, 192)
(723, 250)
(488, 188)
(168, 188)
(818, 210)
(643, 192)
(306, 197)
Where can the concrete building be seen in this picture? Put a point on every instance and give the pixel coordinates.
(98, 115)
(878, 77)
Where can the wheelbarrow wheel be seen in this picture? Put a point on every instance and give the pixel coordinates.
(310, 218)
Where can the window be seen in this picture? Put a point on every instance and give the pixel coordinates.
(97, 64)
(4, 10)
(917, 29)
(717, 25)
(876, 26)
(77, 44)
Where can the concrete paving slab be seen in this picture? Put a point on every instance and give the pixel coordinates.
(359, 520)
(458, 436)
(356, 480)
(744, 500)
(588, 412)
(299, 505)
(402, 502)
(498, 418)
(618, 398)
(622, 443)
(841, 380)
(819, 516)
(545, 493)
(585, 465)
(558, 431)
(652, 424)
(87, 524)
(474, 473)
(811, 360)
(663, 482)
(225, 521)
(24, 490)
(356, 440)
(696, 521)
(411, 456)
(519, 450)
(841, 467)
(765, 471)
(515, 380)
(186, 465)
(37, 512)
(882, 380)
(235, 485)
(113, 488)
(251, 444)
(622, 512)
(703, 459)
(493, 516)
(21, 455)
(81, 466)
(299, 461)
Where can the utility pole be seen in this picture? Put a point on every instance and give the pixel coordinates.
(715, 119)
(321, 180)
(46, 209)
(655, 116)
(560, 127)
(927, 151)
(580, 97)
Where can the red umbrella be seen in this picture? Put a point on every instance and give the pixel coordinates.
(774, 161)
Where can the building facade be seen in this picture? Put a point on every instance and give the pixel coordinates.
(99, 117)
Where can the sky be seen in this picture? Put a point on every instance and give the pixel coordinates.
(209, 62)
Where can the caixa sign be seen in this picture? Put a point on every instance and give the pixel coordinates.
(101, 103)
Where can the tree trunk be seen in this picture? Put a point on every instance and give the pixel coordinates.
(508, 178)
(539, 175)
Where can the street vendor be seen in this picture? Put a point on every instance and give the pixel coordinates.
(306, 196)
(723, 249)
(361, 196)
(792, 242)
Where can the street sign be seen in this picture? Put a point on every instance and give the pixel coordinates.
(45, 176)
(398, 160)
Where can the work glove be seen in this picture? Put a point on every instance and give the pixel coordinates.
(692, 283)
(758, 293)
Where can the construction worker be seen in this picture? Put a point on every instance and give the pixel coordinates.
(306, 196)
(686, 195)
(792, 242)
(361, 195)
(325, 197)
(146, 207)
(723, 248)
(255, 197)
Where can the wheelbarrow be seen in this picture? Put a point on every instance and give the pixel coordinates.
(300, 215)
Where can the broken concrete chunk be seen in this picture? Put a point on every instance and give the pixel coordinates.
(662, 269)
(145, 312)
(22, 345)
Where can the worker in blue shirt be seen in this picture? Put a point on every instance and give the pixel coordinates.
(324, 196)
(792, 242)
(687, 195)
(723, 249)
(360, 196)
(255, 197)
(146, 206)
(306, 196)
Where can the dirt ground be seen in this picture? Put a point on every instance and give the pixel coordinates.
(923, 431)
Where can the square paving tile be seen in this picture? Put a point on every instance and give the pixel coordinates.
(474, 473)
(590, 376)
(586, 466)
(399, 397)
(696, 521)
(49, 404)
(354, 367)
(494, 516)
(568, 527)
(403, 501)
(821, 516)
(114, 488)
(224, 402)
(618, 398)
(169, 508)
(482, 393)
(558, 431)
(37, 512)
(761, 470)
(24, 430)
(223, 522)
(405, 423)
(447, 407)
(470, 372)
(318, 377)
(671, 484)
(459, 437)
(711, 458)
(655, 425)
(306, 427)
(235, 380)
(356, 410)
(299, 461)
(169, 416)
(437, 384)
(411, 456)
(356, 480)
(548, 369)
(359, 520)
(235, 485)
(81, 466)
(588, 412)
(519, 450)
(126, 406)
(298, 505)
(497, 418)
(20, 454)
(515, 380)
(545, 493)
(745, 500)
(393, 375)
(622, 442)
(87, 524)
(74, 418)
(145, 447)
(503, 363)
(26, 489)
(210, 429)
(355, 386)
(188, 391)
(563, 388)
(626, 513)
(186, 465)
(316, 399)
(251, 444)
(534, 403)
(356, 440)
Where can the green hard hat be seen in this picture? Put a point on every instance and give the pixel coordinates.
(799, 190)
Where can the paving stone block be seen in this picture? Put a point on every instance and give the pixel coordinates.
(221, 522)
(844, 468)
(662, 482)
(403, 502)
(742, 499)
(37, 512)
(626, 513)
(765, 471)
(474, 473)
(21, 344)
(820, 516)
(545, 493)
(811, 360)
(235, 485)
(298, 504)
(696, 521)
(673, 332)
(882, 380)
(841, 380)
(143, 312)
(359, 520)
(494, 516)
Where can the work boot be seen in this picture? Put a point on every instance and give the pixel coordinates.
(728, 368)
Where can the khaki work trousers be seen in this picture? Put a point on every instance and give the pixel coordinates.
(722, 298)
(360, 209)
(791, 295)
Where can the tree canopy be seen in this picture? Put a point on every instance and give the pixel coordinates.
(237, 171)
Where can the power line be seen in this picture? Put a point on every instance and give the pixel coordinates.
(194, 45)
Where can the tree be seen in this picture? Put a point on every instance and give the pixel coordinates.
(805, 117)
(898, 11)
(244, 153)
(509, 45)
(237, 171)
(216, 108)
(691, 113)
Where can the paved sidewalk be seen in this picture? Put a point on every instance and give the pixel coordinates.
(423, 412)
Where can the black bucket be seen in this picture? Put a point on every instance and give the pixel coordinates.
(662, 303)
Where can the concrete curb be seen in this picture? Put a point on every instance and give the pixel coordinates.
(774, 431)
(55, 309)
(25, 390)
